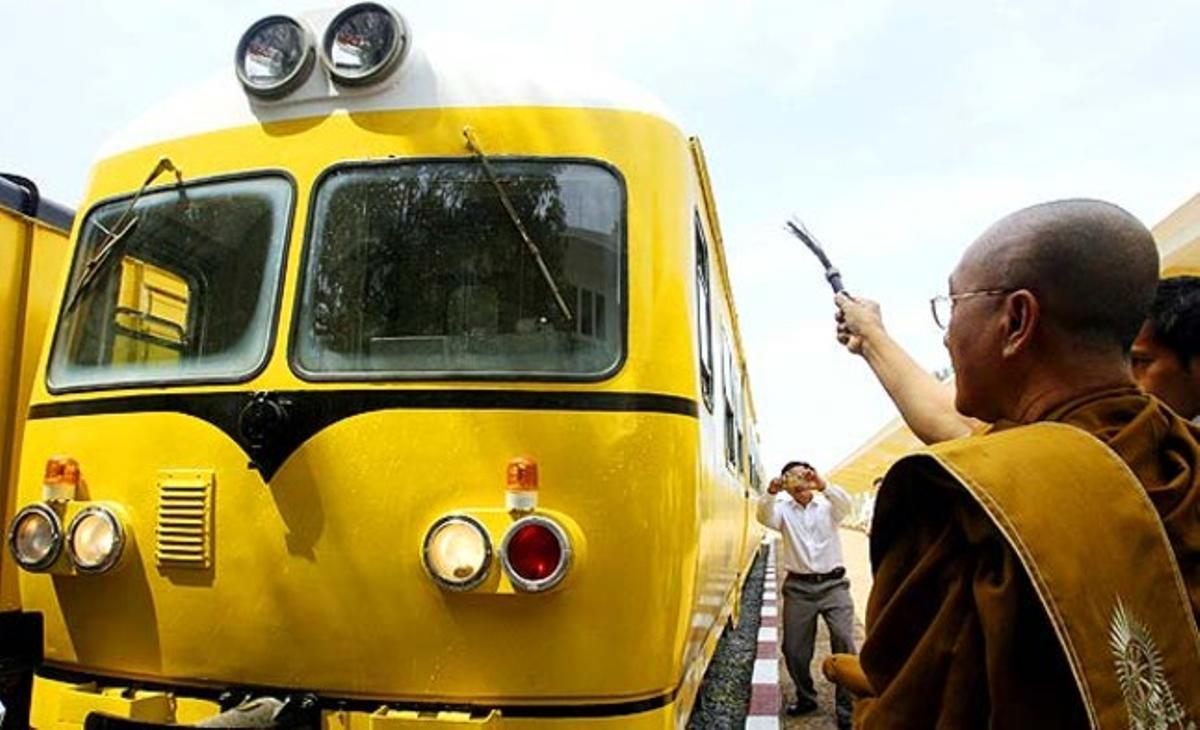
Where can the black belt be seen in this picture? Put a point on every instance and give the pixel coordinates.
(818, 577)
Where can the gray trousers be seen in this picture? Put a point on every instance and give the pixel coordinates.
(802, 603)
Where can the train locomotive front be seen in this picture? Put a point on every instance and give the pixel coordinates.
(398, 383)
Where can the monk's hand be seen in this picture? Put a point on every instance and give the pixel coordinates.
(858, 320)
(776, 486)
(846, 671)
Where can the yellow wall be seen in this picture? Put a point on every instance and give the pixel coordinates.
(1178, 237)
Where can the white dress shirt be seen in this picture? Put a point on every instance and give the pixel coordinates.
(810, 533)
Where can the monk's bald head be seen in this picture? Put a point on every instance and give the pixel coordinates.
(1092, 266)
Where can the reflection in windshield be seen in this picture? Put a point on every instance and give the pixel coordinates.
(114, 237)
(190, 295)
(418, 268)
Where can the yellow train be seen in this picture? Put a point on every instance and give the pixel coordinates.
(33, 251)
(394, 384)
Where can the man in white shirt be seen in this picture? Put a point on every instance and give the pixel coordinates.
(806, 510)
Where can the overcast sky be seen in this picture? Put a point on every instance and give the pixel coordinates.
(897, 130)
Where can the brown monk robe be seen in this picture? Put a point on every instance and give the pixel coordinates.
(1163, 450)
(956, 636)
(1045, 306)
(960, 637)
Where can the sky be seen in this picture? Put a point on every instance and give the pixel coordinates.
(898, 131)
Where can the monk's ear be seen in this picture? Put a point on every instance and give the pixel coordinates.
(1022, 315)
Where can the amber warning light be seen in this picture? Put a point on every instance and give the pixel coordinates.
(522, 485)
(62, 478)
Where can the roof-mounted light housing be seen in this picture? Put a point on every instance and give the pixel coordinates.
(275, 56)
(364, 43)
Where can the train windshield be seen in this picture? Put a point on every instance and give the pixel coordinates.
(179, 288)
(420, 269)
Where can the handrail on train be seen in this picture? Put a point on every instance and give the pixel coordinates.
(21, 194)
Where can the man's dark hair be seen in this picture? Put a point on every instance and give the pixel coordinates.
(1175, 316)
(790, 464)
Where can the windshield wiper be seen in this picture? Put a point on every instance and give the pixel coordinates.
(113, 237)
(530, 246)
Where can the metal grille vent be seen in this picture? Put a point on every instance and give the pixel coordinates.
(184, 527)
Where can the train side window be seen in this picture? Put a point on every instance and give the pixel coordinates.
(732, 389)
(740, 420)
(729, 381)
(704, 316)
(755, 471)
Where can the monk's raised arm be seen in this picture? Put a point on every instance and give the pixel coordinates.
(925, 404)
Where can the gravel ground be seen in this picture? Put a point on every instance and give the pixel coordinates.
(724, 696)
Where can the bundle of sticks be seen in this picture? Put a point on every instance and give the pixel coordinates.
(797, 228)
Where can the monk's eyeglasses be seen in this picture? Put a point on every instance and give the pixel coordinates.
(942, 305)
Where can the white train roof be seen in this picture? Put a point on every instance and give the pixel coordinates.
(439, 72)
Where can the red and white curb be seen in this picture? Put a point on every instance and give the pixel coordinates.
(764, 693)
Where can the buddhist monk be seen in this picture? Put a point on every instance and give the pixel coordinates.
(1017, 571)
(1156, 443)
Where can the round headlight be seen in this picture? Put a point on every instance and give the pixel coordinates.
(95, 540)
(457, 552)
(275, 56)
(35, 537)
(364, 43)
(536, 554)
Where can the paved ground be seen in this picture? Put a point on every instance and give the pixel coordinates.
(823, 718)
(772, 688)
(854, 550)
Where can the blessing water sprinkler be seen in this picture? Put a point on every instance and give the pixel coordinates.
(796, 227)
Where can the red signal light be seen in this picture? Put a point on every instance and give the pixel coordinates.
(534, 552)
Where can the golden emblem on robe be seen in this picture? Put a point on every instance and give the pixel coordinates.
(1148, 695)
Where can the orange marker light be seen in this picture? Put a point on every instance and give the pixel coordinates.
(63, 476)
(522, 485)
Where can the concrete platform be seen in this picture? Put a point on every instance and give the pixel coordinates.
(772, 688)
